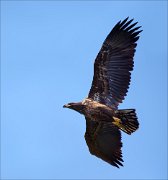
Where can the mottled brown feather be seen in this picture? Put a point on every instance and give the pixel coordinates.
(114, 63)
(104, 141)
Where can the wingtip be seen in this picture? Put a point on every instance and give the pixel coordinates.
(117, 164)
(127, 18)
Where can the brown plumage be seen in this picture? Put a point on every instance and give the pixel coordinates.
(110, 84)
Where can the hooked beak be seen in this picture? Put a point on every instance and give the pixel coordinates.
(66, 106)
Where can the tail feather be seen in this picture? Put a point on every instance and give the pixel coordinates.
(126, 120)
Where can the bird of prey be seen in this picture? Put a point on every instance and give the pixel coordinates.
(112, 75)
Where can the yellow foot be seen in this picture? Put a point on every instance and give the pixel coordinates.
(117, 122)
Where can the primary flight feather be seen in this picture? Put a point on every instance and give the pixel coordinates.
(112, 75)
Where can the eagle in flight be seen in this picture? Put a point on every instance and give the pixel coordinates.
(112, 75)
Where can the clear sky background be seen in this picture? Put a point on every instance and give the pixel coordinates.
(47, 54)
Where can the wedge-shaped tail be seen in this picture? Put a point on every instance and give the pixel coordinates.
(126, 120)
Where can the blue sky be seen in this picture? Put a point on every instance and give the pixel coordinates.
(47, 54)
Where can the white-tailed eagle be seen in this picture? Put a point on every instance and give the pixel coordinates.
(112, 74)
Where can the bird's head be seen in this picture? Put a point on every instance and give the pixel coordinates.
(79, 107)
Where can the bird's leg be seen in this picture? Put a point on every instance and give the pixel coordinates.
(119, 124)
(116, 121)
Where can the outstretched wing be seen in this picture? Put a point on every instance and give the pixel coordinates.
(113, 64)
(104, 141)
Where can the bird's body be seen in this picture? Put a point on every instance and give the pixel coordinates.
(97, 111)
(110, 84)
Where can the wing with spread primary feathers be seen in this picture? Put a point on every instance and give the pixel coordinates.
(104, 141)
(113, 64)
